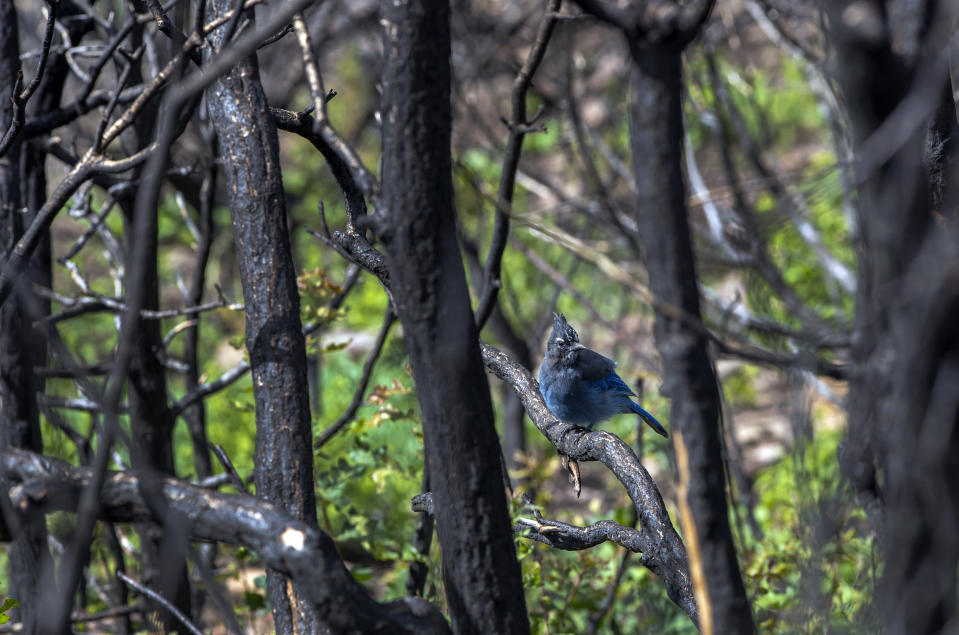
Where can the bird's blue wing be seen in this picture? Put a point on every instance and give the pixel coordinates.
(613, 383)
(595, 367)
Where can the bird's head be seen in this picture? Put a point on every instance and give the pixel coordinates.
(564, 340)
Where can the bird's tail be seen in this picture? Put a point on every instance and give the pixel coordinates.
(649, 419)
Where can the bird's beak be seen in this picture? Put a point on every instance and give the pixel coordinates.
(576, 346)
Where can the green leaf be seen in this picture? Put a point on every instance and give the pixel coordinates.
(254, 601)
(7, 605)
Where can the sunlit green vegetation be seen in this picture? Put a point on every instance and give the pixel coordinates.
(812, 569)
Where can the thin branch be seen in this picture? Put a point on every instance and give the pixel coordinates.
(573, 538)
(234, 476)
(159, 599)
(20, 99)
(518, 127)
(159, 15)
(85, 618)
(209, 388)
(374, 354)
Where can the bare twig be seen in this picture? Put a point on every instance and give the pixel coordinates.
(159, 599)
(374, 354)
(20, 99)
(518, 128)
(160, 16)
(234, 476)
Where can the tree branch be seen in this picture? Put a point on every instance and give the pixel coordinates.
(518, 127)
(299, 550)
(664, 553)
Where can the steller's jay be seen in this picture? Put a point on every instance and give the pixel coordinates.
(581, 386)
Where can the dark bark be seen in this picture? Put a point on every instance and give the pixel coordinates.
(284, 463)
(656, 141)
(657, 35)
(514, 416)
(904, 408)
(480, 571)
(151, 419)
(19, 419)
(285, 543)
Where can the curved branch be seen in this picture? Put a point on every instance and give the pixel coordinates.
(663, 551)
(573, 538)
(294, 547)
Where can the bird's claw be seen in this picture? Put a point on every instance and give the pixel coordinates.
(572, 471)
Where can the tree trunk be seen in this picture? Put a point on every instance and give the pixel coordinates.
(480, 570)
(656, 141)
(19, 419)
(247, 141)
(903, 398)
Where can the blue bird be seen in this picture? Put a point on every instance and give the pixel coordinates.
(581, 386)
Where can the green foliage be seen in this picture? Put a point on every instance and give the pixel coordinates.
(8, 605)
(815, 568)
(567, 591)
(739, 388)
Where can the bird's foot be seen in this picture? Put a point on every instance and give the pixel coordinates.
(572, 472)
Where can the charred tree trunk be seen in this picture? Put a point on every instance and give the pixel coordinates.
(480, 570)
(656, 141)
(163, 548)
(247, 142)
(19, 419)
(903, 399)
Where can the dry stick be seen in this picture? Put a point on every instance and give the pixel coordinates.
(217, 592)
(518, 127)
(79, 306)
(689, 530)
(227, 464)
(159, 599)
(20, 99)
(130, 61)
(160, 16)
(56, 117)
(93, 163)
(350, 411)
(106, 614)
(241, 369)
(324, 134)
(310, 68)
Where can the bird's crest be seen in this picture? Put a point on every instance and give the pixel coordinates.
(563, 333)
